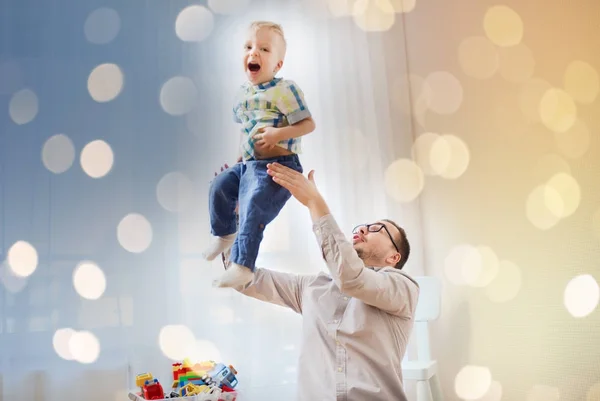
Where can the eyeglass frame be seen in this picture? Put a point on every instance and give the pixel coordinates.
(383, 227)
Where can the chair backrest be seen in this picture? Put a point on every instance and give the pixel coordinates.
(430, 298)
(428, 309)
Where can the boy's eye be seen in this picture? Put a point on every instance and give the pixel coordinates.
(264, 49)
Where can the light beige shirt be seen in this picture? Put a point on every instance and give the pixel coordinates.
(356, 322)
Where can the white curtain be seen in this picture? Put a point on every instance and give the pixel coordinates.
(159, 304)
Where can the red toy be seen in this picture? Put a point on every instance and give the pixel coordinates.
(153, 390)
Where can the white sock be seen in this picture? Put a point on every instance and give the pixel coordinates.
(217, 246)
(235, 276)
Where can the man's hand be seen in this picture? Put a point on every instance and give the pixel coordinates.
(302, 188)
(267, 137)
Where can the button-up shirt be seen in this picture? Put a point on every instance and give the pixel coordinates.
(356, 321)
(277, 103)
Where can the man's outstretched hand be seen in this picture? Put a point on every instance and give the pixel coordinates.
(302, 188)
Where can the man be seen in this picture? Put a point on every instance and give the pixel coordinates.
(358, 319)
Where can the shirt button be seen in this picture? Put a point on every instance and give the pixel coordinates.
(345, 298)
(340, 369)
(335, 321)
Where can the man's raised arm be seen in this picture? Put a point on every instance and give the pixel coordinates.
(279, 288)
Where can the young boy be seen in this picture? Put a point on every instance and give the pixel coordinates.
(273, 116)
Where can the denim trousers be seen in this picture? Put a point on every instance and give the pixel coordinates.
(260, 201)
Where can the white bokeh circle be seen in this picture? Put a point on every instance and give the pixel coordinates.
(102, 26)
(23, 106)
(89, 280)
(178, 96)
(97, 159)
(58, 153)
(134, 233)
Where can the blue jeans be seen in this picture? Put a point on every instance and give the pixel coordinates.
(260, 201)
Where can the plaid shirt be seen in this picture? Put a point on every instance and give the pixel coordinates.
(277, 103)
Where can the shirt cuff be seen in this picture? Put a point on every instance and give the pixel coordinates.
(297, 116)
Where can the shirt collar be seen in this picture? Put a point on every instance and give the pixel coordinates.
(264, 85)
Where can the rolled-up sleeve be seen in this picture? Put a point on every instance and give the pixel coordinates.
(291, 103)
(388, 289)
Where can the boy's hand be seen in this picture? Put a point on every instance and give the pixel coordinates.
(267, 137)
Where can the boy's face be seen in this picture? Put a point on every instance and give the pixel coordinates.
(263, 55)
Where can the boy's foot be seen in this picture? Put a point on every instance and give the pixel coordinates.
(217, 246)
(234, 276)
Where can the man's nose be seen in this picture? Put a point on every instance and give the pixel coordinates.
(363, 230)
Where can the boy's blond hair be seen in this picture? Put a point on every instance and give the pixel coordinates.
(256, 25)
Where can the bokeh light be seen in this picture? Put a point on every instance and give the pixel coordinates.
(22, 258)
(530, 97)
(503, 26)
(174, 192)
(89, 280)
(463, 264)
(374, 16)
(97, 159)
(404, 180)
(489, 267)
(84, 347)
(421, 151)
(542, 392)
(569, 191)
(60, 342)
(446, 92)
(178, 96)
(105, 82)
(516, 63)
(449, 156)
(134, 233)
(176, 341)
(581, 295)
(506, 284)
(478, 57)
(102, 26)
(472, 382)
(403, 6)
(536, 207)
(581, 82)
(23, 106)
(558, 111)
(194, 23)
(58, 153)
(228, 6)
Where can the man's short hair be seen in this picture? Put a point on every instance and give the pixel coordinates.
(256, 25)
(402, 244)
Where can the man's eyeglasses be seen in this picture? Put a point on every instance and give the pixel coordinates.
(375, 228)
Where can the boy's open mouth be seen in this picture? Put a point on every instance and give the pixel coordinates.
(253, 67)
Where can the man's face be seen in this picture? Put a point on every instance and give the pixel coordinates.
(373, 244)
(263, 55)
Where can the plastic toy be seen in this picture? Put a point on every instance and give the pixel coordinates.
(205, 381)
(152, 390)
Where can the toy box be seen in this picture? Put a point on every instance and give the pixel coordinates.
(206, 381)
